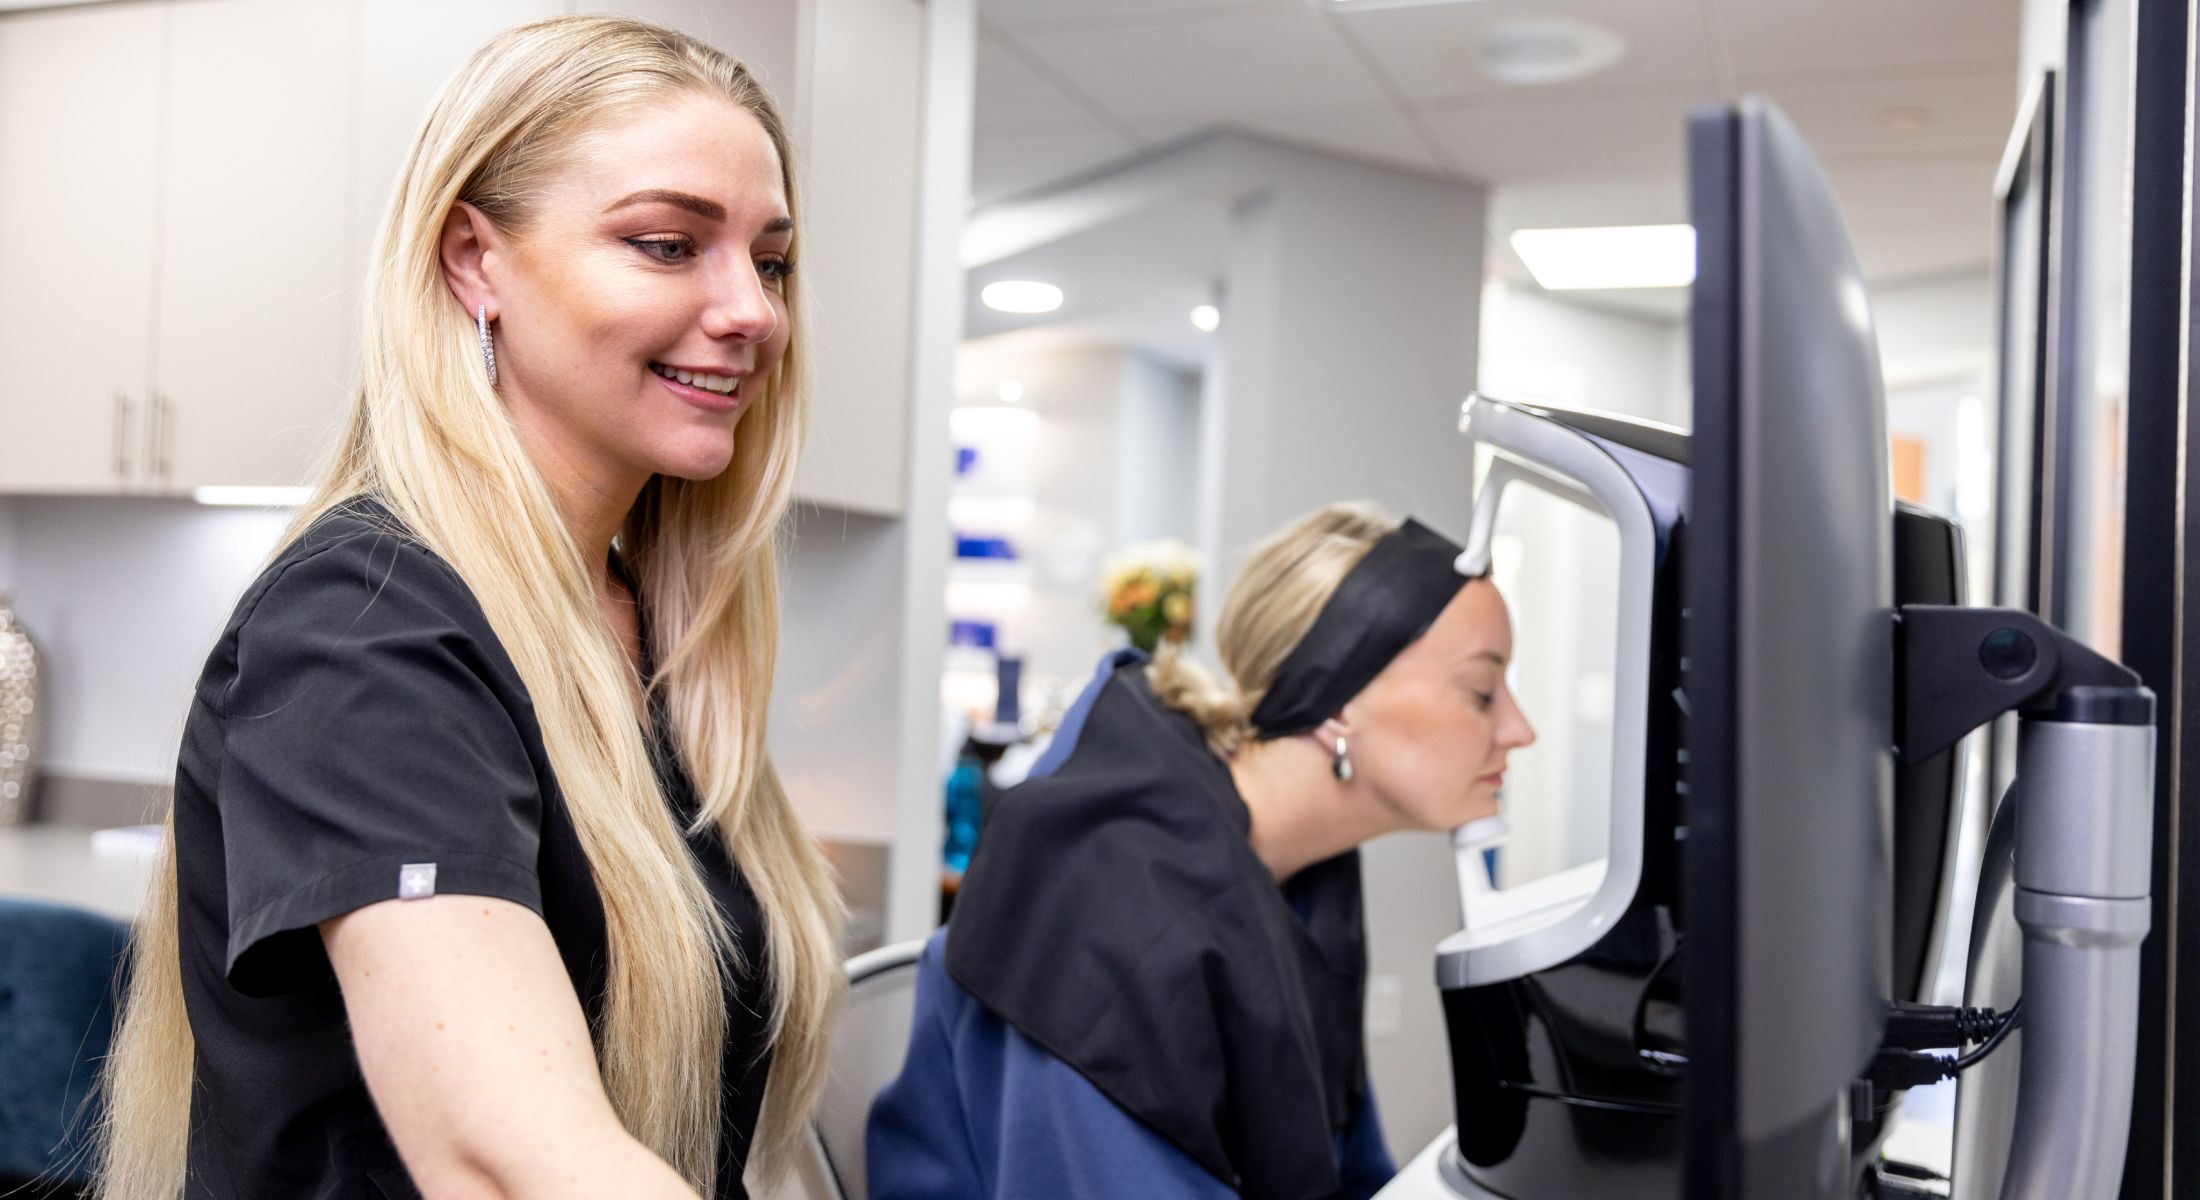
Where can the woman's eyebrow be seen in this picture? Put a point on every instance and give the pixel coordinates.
(709, 209)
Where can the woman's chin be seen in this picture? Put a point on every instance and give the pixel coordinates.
(698, 460)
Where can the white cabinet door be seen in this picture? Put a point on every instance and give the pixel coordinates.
(258, 303)
(79, 128)
(865, 109)
(407, 49)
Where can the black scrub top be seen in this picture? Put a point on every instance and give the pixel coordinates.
(357, 723)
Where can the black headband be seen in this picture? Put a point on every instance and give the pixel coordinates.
(1385, 602)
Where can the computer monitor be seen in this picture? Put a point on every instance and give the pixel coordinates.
(1789, 645)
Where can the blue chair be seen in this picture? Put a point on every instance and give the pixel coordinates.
(58, 968)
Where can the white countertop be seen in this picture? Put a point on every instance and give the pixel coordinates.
(57, 864)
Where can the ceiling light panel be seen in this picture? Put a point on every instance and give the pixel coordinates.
(1608, 257)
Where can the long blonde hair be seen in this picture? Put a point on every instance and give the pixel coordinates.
(428, 436)
(1285, 581)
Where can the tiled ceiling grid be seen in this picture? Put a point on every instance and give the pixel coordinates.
(1907, 102)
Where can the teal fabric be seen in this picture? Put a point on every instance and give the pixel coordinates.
(57, 985)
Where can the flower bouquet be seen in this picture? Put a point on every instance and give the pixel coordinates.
(1147, 590)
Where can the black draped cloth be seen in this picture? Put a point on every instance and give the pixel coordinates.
(1116, 914)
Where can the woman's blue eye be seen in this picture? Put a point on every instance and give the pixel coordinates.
(775, 270)
(662, 249)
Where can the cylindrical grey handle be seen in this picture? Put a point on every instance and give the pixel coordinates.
(2083, 856)
(2100, 843)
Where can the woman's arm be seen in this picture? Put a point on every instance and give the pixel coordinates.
(477, 1054)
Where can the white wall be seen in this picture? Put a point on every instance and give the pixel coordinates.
(1104, 444)
(834, 717)
(1934, 329)
(1157, 452)
(125, 597)
(1542, 348)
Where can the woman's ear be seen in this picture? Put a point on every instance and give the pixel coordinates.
(470, 249)
(1339, 726)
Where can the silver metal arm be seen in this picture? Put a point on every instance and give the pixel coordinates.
(2083, 865)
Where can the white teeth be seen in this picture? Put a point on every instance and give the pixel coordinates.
(724, 385)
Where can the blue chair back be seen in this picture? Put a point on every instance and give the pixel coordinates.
(57, 1015)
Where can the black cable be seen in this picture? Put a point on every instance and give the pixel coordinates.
(2008, 1023)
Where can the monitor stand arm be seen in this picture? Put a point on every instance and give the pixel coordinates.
(2084, 815)
(2085, 800)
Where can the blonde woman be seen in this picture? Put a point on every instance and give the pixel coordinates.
(1152, 986)
(482, 883)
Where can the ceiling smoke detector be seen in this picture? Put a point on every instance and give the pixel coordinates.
(1541, 50)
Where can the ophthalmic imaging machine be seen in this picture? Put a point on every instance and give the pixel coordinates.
(1698, 967)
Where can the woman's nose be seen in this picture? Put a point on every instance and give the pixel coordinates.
(741, 307)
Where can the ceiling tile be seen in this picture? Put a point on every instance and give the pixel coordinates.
(1970, 109)
(1522, 138)
(1806, 37)
(1023, 15)
(1011, 95)
(1212, 67)
(1917, 215)
(1431, 53)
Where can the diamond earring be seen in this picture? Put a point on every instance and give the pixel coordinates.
(488, 351)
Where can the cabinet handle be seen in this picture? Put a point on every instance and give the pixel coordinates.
(156, 437)
(164, 422)
(122, 435)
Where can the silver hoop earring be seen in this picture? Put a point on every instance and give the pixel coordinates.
(1341, 765)
(488, 351)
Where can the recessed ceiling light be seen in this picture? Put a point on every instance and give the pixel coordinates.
(1206, 318)
(1608, 257)
(1021, 296)
(1010, 391)
(1539, 50)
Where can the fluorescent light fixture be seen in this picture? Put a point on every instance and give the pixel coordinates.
(1206, 318)
(252, 497)
(1010, 391)
(1608, 257)
(1021, 296)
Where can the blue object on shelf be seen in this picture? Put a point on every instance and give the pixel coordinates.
(967, 546)
(1009, 670)
(977, 634)
(966, 458)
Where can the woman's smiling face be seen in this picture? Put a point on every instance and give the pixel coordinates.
(642, 304)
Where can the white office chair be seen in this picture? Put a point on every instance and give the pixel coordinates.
(866, 1055)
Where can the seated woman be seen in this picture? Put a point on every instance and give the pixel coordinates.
(1154, 979)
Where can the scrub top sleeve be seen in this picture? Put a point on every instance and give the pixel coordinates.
(371, 751)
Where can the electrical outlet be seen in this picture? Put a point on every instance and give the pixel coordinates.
(1384, 1006)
